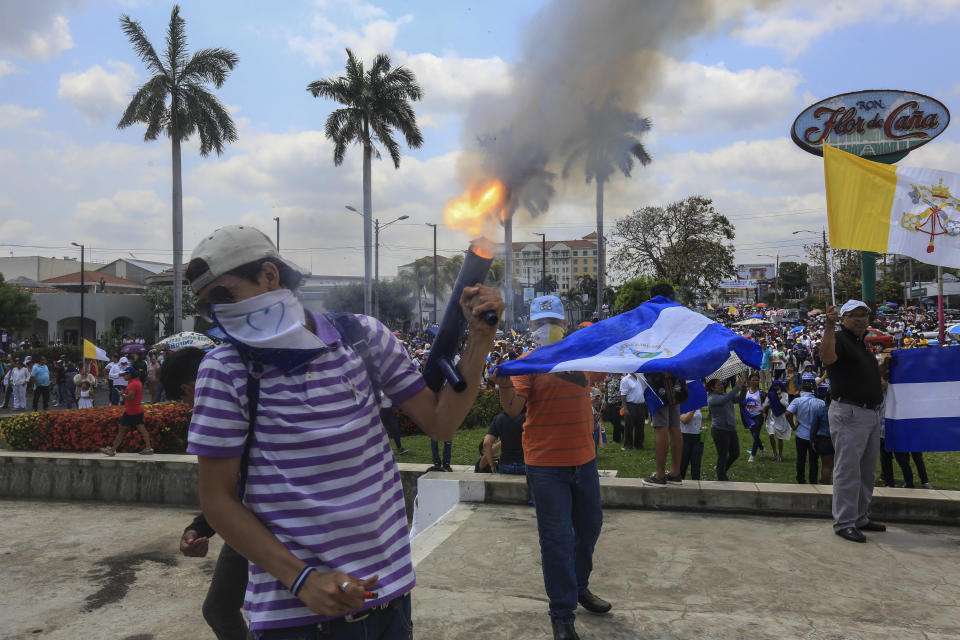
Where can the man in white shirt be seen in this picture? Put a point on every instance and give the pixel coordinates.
(634, 410)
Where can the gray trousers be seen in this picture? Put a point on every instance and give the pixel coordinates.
(856, 437)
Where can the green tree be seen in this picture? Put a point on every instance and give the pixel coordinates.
(17, 308)
(160, 298)
(419, 279)
(605, 145)
(394, 296)
(687, 242)
(348, 298)
(175, 101)
(376, 102)
(794, 279)
(634, 292)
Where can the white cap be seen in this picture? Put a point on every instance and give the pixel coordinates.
(851, 304)
(230, 247)
(123, 360)
(546, 307)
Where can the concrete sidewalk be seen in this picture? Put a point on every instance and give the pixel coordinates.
(87, 570)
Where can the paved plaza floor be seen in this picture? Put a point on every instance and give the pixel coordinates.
(84, 570)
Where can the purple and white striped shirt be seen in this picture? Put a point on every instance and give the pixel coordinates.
(322, 477)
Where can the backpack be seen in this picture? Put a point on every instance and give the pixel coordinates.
(669, 388)
(353, 336)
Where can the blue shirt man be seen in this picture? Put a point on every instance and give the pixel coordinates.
(805, 408)
(41, 374)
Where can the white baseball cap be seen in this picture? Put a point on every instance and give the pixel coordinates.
(228, 248)
(123, 360)
(851, 304)
(546, 307)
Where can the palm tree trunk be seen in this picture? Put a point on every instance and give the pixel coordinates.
(601, 250)
(367, 233)
(177, 239)
(508, 268)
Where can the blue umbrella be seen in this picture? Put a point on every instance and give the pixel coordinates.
(757, 316)
(891, 304)
(795, 329)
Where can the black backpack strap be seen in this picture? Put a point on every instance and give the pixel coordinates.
(254, 371)
(355, 337)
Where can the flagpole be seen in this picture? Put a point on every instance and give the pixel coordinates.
(833, 292)
(940, 318)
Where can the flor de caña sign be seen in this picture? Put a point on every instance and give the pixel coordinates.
(881, 125)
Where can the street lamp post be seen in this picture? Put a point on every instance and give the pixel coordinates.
(435, 270)
(278, 233)
(543, 261)
(376, 261)
(826, 266)
(83, 289)
(367, 286)
(776, 274)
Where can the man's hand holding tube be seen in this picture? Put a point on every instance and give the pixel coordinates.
(477, 300)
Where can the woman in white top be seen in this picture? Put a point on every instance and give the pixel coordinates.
(753, 406)
(775, 409)
(19, 378)
(691, 428)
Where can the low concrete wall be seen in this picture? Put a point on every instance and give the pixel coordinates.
(172, 480)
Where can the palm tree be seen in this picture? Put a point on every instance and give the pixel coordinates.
(606, 143)
(175, 101)
(375, 103)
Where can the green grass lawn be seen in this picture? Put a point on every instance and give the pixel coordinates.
(942, 467)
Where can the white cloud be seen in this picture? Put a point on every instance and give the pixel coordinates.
(794, 27)
(698, 98)
(6, 68)
(99, 94)
(35, 30)
(12, 115)
(326, 43)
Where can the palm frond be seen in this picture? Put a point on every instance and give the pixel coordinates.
(640, 153)
(382, 131)
(210, 65)
(141, 45)
(210, 119)
(176, 43)
(143, 105)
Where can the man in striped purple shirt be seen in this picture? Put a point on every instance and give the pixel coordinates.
(322, 516)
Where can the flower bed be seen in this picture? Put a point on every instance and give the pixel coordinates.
(89, 430)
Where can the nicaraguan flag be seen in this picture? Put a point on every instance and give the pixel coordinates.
(923, 400)
(659, 335)
(697, 399)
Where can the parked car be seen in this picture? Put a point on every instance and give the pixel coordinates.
(876, 336)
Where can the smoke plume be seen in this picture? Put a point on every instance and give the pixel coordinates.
(578, 58)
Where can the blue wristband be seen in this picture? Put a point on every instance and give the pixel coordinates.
(301, 579)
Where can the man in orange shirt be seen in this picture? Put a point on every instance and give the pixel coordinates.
(559, 452)
(132, 396)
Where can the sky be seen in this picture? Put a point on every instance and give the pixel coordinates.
(721, 111)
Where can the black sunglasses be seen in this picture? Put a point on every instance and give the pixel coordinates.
(217, 295)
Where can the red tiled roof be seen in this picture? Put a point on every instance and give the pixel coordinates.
(90, 277)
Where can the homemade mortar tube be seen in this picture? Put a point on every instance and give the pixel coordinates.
(439, 366)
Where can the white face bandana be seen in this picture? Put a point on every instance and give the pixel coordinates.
(272, 320)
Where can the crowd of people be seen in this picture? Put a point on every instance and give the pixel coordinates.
(73, 385)
(297, 474)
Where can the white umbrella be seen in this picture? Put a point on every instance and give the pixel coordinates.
(185, 339)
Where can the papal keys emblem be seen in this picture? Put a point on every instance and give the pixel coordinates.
(940, 217)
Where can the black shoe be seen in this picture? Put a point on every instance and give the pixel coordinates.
(436, 467)
(851, 534)
(654, 481)
(674, 479)
(564, 631)
(873, 526)
(592, 603)
(447, 467)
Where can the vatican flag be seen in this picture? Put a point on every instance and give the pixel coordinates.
(889, 209)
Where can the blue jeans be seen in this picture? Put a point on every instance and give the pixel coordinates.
(569, 518)
(435, 451)
(392, 623)
(512, 468)
(114, 395)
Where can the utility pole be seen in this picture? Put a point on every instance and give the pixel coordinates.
(83, 288)
(435, 269)
(278, 233)
(543, 261)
